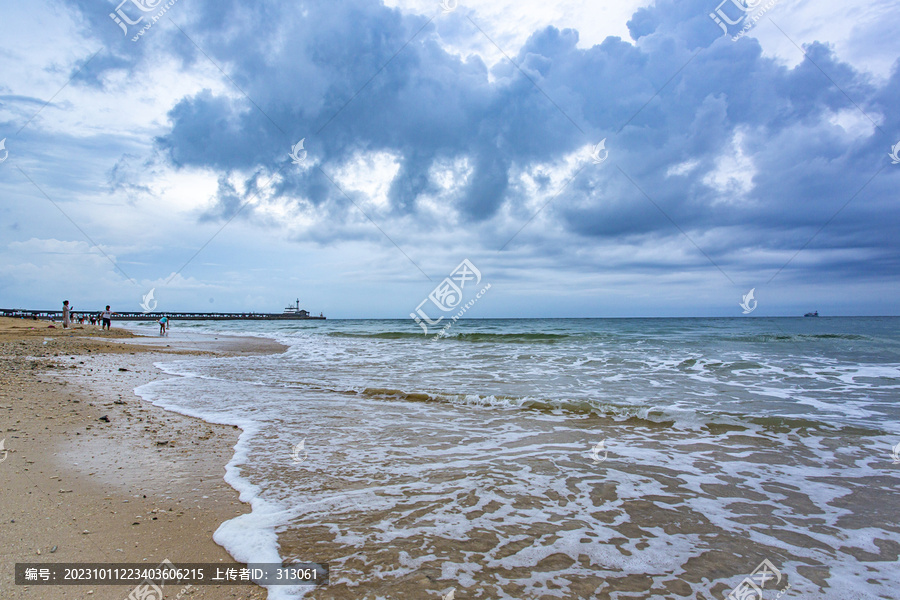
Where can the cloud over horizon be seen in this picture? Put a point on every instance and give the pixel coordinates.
(722, 158)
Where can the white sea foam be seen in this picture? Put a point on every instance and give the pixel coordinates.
(249, 538)
(752, 444)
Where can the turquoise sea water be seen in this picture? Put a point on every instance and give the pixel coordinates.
(474, 462)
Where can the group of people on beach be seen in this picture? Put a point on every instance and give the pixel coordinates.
(104, 318)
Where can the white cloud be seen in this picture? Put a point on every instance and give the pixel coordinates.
(733, 175)
(371, 174)
(854, 122)
(682, 168)
(862, 33)
(509, 22)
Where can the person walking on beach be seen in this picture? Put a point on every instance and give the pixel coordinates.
(66, 314)
(106, 316)
(163, 325)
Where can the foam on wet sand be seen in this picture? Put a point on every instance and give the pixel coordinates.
(145, 486)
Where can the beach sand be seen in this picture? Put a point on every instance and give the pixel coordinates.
(143, 487)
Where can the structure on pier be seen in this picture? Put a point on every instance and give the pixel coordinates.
(295, 310)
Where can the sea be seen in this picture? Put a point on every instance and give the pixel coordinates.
(726, 458)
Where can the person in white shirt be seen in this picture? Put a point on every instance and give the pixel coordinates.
(106, 318)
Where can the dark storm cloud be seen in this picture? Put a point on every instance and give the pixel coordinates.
(300, 65)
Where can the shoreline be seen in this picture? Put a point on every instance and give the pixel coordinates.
(97, 474)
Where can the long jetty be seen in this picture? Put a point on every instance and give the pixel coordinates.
(153, 316)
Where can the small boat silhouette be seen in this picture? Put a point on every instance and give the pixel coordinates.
(812, 314)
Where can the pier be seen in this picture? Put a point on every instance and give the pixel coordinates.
(300, 315)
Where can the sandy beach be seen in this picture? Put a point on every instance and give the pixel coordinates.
(95, 474)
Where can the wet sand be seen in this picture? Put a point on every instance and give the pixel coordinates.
(95, 474)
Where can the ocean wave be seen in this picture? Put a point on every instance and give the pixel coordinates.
(795, 337)
(781, 424)
(511, 338)
(383, 335)
(586, 336)
(635, 414)
(719, 366)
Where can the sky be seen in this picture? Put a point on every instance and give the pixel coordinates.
(588, 158)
